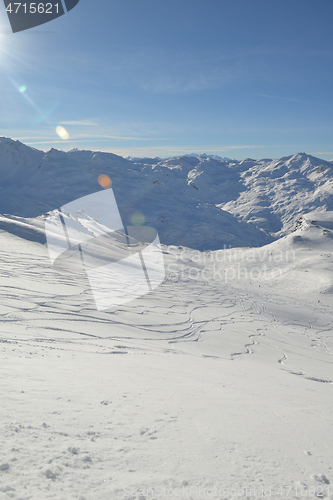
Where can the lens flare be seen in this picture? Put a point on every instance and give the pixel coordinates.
(22, 89)
(62, 133)
(138, 219)
(105, 181)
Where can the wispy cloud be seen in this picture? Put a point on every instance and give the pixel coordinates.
(321, 153)
(80, 123)
(149, 150)
(177, 71)
(280, 97)
(288, 99)
(99, 133)
(86, 140)
(182, 71)
(172, 71)
(152, 151)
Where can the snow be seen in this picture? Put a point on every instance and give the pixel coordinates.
(161, 193)
(217, 384)
(195, 201)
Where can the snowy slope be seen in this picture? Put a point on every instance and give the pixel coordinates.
(205, 383)
(277, 192)
(301, 262)
(217, 384)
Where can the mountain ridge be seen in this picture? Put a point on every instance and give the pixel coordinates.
(197, 201)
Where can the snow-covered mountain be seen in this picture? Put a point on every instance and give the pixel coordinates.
(277, 192)
(34, 182)
(203, 156)
(196, 201)
(215, 384)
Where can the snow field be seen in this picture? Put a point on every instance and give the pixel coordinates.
(200, 385)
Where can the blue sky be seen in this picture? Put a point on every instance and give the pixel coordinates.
(237, 78)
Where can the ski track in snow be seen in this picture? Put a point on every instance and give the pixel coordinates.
(95, 404)
(174, 315)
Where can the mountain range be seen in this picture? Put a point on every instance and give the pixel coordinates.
(197, 201)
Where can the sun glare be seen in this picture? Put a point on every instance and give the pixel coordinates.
(105, 181)
(62, 133)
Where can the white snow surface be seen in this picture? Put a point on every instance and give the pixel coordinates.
(218, 384)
